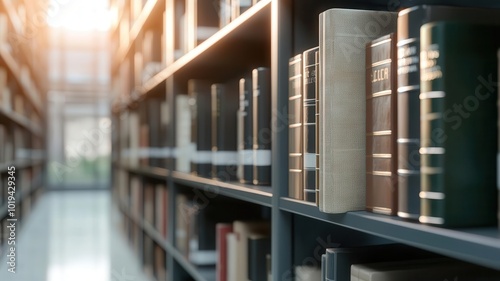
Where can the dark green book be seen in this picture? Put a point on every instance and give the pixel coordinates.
(409, 22)
(459, 123)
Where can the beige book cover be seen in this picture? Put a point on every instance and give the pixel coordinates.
(342, 104)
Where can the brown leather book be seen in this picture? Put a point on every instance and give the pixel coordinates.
(381, 126)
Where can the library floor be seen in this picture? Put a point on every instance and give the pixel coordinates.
(73, 236)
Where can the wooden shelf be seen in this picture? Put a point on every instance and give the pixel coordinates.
(14, 70)
(479, 245)
(260, 195)
(233, 43)
(155, 172)
(199, 274)
(151, 10)
(21, 121)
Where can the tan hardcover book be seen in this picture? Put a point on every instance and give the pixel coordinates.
(342, 104)
(243, 229)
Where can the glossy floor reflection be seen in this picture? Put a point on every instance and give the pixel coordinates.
(73, 236)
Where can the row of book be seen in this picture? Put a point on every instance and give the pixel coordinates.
(146, 200)
(426, 143)
(396, 262)
(154, 256)
(230, 129)
(18, 145)
(18, 182)
(143, 134)
(202, 19)
(236, 243)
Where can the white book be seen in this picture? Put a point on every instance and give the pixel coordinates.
(183, 134)
(343, 34)
(232, 256)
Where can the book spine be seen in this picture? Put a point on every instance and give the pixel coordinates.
(309, 83)
(459, 123)
(224, 107)
(295, 128)
(318, 68)
(261, 89)
(408, 114)
(201, 163)
(246, 142)
(258, 248)
(381, 126)
(221, 246)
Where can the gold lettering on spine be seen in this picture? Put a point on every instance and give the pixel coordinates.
(380, 74)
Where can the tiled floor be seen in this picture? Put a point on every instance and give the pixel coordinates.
(73, 236)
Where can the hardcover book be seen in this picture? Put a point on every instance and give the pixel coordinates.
(342, 104)
(259, 246)
(339, 260)
(309, 79)
(221, 247)
(242, 230)
(426, 269)
(295, 148)
(458, 129)
(201, 127)
(261, 91)
(381, 126)
(184, 147)
(409, 22)
(245, 131)
(225, 102)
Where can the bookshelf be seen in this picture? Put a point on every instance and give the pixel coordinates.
(22, 114)
(268, 34)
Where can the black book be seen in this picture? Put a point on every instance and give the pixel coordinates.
(259, 246)
(245, 145)
(295, 174)
(310, 79)
(224, 151)
(201, 134)
(409, 22)
(261, 88)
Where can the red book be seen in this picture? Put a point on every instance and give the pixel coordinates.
(222, 230)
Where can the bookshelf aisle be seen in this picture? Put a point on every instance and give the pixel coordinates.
(22, 116)
(180, 176)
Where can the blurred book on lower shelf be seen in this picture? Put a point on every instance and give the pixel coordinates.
(426, 269)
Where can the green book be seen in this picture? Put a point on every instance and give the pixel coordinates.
(458, 100)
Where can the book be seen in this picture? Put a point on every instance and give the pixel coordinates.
(184, 146)
(222, 248)
(201, 128)
(149, 203)
(259, 246)
(245, 131)
(323, 267)
(134, 135)
(160, 264)
(409, 22)
(426, 269)
(161, 204)
(458, 123)
(154, 124)
(225, 11)
(342, 104)
(338, 260)
(261, 91)
(498, 154)
(225, 102)
(295, 108)
(309, 79)
(381, 126)
(148, 256)
(242, 230)
(232, 256)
